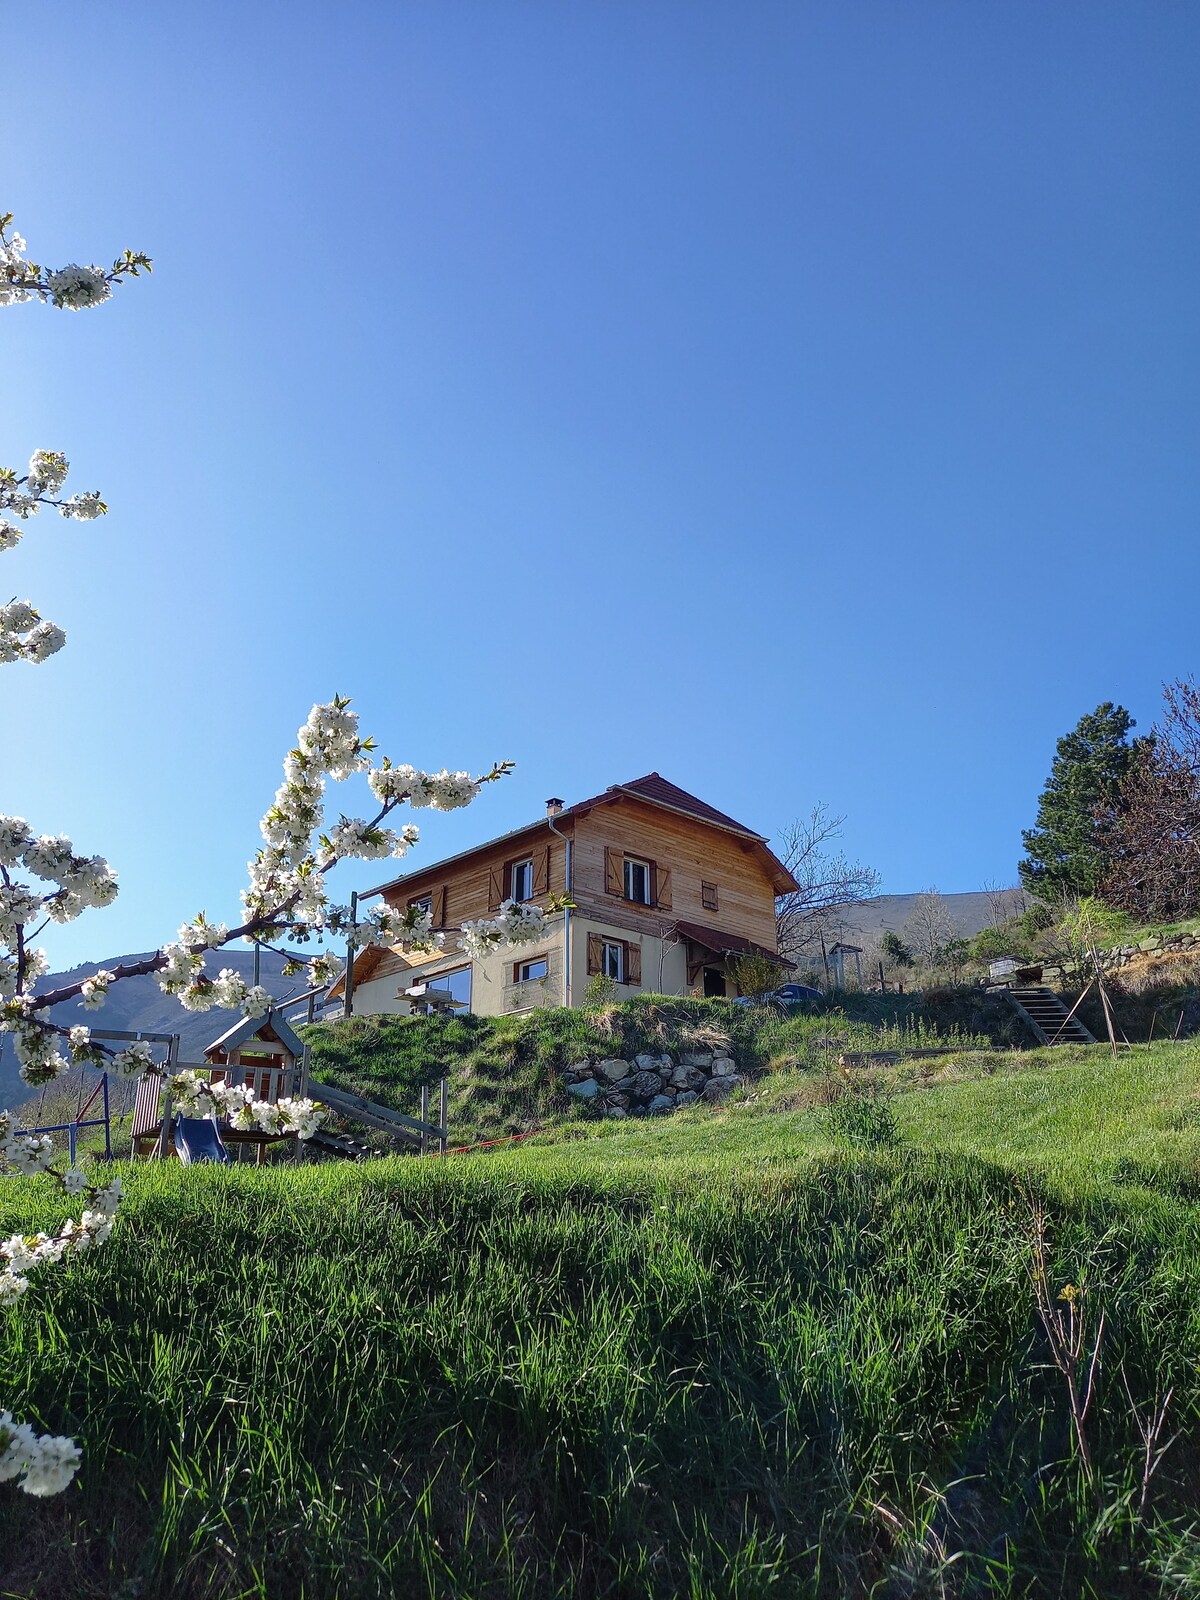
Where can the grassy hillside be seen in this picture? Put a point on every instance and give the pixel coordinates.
(506, 1072)
(725, 1354)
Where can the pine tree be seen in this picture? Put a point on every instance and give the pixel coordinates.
(1065, 852)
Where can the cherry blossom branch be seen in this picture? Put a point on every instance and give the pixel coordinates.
(70, 288)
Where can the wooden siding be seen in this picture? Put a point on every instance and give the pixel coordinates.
(470, 888)
(692, 852)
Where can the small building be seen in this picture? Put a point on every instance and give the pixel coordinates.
(667, 893)
(261, 1052)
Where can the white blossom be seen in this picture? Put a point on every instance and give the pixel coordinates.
(47, 471)
(84, 507)
(134, 1059)
(516, 923)
(95, 989)
(76, 288)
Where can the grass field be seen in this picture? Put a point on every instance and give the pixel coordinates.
(726, 1354)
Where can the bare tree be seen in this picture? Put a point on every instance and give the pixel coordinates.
(1153, 831)
(1005, 903)
(827, 882)
(929, 927)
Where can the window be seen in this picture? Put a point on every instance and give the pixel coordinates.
(457, 983)
(527, 971)
(637, 881)
(423, 903)
(619, 960)
(708, 896)
(520, 880)
(612, 960)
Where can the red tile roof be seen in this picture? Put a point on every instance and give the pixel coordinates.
(660, 791)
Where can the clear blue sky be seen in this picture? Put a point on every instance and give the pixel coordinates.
(800, 399)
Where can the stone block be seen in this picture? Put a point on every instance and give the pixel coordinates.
(587, 1090)
(616, 1111)
(718, 1088)
(646, 1084)
(614, 1070)
(1153, 943)
(661, 1103)
(687, 1098)
(696, 1058)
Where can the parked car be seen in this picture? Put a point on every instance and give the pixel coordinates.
(798, 994)
(783, 998)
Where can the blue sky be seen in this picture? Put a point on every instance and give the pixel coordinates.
(798, 399)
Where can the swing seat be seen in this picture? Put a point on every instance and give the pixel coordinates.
(197, 1140)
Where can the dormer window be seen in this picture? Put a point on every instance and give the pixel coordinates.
(520, 880)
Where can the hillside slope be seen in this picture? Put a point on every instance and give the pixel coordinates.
(717, 1355)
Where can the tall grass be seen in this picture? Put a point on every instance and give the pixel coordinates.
(538, 1375)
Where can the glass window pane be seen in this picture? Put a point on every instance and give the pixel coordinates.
(458, 983)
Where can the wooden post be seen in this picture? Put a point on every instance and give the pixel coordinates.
(825, 959)
(882, 983)
(424, 1119)
(444, 1112)
(348, 992)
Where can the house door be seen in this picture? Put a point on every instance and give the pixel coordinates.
(714, 984)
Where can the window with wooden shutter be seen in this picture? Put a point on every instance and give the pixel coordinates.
(708, 896)
(660, 878)
(614, 872)
(495, 888)
(437, 908)
(541, 872)
(633, 963)
(520, 879)
(595, 954)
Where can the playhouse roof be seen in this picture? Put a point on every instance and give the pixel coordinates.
(269, 1026)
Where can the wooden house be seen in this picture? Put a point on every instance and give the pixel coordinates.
(666, 892)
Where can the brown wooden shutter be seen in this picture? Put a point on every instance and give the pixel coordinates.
(614, 872)
(495, 888)
(661, 895)
(541, 872)
(633, 963)
(438, 906)
(595, 954)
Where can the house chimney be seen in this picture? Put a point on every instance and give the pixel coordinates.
(553, 807)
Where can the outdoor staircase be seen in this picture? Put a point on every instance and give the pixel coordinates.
(1049, 1018)
(342, 1145)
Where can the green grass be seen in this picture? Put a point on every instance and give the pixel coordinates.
(1073, 1116)
(505, 1072)
(720, 1355)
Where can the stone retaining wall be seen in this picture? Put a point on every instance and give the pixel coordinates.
(1122, 955)
(650, 1084)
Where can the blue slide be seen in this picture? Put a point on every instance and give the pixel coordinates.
(197, 1139)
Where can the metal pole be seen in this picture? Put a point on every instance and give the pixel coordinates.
(424, 1119)
(71, 1132)
(444, 1112)
(348, 994)
(107, 1123)
(256, 964)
